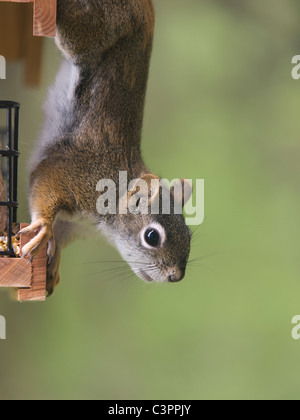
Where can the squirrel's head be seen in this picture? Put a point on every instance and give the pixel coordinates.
(156, 246)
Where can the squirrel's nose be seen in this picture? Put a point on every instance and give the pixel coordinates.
(177, 275)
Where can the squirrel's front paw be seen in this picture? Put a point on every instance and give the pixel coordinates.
(44, 233)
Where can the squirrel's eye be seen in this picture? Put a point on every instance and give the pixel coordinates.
(152, 238)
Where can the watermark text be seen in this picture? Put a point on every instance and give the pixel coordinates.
(296, 68)
(151, 195)
(2, 68)
(296, 329)
(2, 328)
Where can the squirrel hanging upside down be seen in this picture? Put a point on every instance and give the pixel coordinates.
(92, 131)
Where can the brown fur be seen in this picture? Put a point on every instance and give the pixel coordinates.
(110, 42)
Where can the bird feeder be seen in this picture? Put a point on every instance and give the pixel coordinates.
(29, 277)
(44, 16)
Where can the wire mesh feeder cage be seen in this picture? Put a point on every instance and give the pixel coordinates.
(9, 139)
(26, 275)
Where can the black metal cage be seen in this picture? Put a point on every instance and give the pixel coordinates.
(9, 134)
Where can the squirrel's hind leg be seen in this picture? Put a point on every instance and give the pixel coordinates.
(57, 238)
(53, 277)
(65, 232)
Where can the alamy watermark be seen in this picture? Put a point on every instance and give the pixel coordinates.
(296, 329)
(2, 328)
(2, 67)
(151, 195)
(296, 68)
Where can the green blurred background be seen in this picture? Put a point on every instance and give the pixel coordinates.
(222, 106)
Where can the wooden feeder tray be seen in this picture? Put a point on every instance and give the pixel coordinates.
(44, 16)
(29, 277)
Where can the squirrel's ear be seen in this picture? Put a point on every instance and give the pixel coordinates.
(182, 191)
(153, 186)
(151, 182)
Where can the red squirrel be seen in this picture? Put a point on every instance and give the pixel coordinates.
(92, 131)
